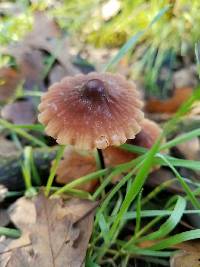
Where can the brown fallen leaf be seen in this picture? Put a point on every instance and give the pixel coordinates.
(188, 256)
(9, 80)
(30, 63)
(57, 73)
(76, 164)
(47, 36)
(54, 233)
(171, 105)
(190, 149)
(19, 112)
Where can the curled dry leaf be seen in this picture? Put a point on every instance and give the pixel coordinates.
(76, 164)
(54, 234)
(19, 112)
(171, 105)
(9, 80)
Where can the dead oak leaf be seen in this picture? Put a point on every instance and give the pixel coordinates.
(58, 233)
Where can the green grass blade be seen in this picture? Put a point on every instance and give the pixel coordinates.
(176, 239)
(171, 222)
(133, 40)
(187, 189)
(53, 169)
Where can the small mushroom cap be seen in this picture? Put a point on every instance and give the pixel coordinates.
(74, 165)
(92, 111)
(145, 138)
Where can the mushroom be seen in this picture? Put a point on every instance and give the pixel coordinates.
(91, 111)
(76, 164)
(145, 138)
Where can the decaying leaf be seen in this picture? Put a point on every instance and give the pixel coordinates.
(54, 233)
(9, 80)
(171, 105)
(188, 256)
(19, 112)
(30, 63)
(47, 36)
(76, 164)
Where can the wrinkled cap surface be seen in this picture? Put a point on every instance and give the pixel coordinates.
(92, 111)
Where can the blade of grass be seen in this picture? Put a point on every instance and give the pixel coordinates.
(187, 189)
(13, 233)
(133, 40)
(53, 169)
(22, 133)
(176, 239)
(138, 212)
(81, 180)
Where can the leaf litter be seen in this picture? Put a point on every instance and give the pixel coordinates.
(54, 232)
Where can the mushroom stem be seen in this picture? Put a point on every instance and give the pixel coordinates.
(100, 159)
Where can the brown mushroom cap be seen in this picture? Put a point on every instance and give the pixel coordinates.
(74, 165)
(92, 111)
(145, 138)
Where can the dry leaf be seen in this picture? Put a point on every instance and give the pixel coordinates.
(171, 105)
(30, 63)
(47, 36)
(186, 77)
(57, 73)
(9, 79)
(188, 256)
(54, 233)
(190, 149)
(19, 112)
(76, 164)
